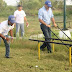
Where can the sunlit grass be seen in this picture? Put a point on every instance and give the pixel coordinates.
(25, 58)
(24, 53)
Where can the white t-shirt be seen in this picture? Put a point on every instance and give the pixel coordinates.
(5, 28)
(19, 16)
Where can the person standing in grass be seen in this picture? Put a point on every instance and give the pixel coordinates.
(20, 17)
(45, 16)
(5, 27)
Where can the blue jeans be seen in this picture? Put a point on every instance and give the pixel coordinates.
(7, 46)
(18, 27)
(47, 33)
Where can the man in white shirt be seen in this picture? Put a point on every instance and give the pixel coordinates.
(20, 17)
(5, 27)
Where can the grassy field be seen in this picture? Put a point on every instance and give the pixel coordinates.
(24, 54)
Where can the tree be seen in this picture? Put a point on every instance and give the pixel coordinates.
(2, 5)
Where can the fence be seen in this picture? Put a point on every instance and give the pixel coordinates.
(68, 23)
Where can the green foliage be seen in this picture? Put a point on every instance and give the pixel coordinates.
(31, 4)
(31, 7)
(7, 10)
(60, 6)
(69, 11)
(2, 5)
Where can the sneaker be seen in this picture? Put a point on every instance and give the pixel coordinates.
(7, 57)
(42, 49)
(49, 51)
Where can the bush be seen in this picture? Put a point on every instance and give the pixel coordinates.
(69, 11)
(31, 7)
(6, 11)
(31, 4)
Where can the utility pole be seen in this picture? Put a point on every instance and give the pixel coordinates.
(64, 14)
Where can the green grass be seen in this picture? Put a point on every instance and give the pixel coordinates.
(24, 53)
(25, 57)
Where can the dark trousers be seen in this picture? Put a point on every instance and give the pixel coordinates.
(47, 33)
(7, 46)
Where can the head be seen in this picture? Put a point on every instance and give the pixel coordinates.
(11, 20)
(48, 4)
(19, 7)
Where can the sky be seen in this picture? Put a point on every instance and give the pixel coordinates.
(69, 2)
(12, 2)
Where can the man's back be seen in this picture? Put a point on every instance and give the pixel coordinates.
(5, 28)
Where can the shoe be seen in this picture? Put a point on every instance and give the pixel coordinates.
(42, 49)
(49, 51)
(7, 57)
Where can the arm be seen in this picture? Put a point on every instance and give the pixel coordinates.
(26, 21)
(2, 36)
(53, 20)
(41, 21)
(11, 34)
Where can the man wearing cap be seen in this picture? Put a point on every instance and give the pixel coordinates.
(20, 17)
(5, 27)
(45, 16)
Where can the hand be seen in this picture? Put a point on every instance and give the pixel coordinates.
(11, 40)
(48, 25)
(7, 39)
(55, 24)
(27, 24)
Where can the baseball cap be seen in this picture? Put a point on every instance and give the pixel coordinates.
(19, 6)
(48, 3)
(11, 18)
